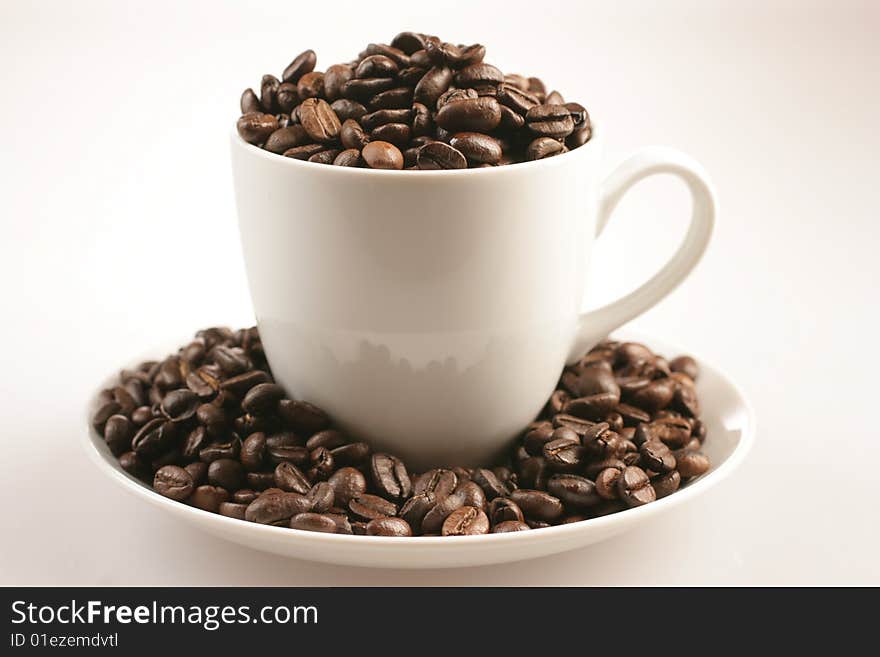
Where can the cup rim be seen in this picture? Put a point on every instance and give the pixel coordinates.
(555, 161)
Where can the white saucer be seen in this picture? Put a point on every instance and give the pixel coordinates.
(731, 430)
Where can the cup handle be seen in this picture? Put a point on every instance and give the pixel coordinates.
(595, 325)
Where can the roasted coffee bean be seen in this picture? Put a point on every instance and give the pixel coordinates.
(373, 120)
(674, 432)
(253, 451)
(550, 121)
(510, 526)
(477, 75)
(321, 464)
(543, 147)
(244, 496)
(369, 507)
(330, 439)
(563, 452)
(388, 527)
(488, 481)
(439, 481)
(466, 521)
(656, 456)
(408, 42)
(376, 66)
(654, 396)
(268, 90)
(594, 407)
(438, 155)
(319, 120)
(634, 487)
(573, 490)
(153, 438)
(666, 484)
(226, 473)
(382, 155)
(287, 97)
(686, 365)
(352, 135)
(533, 472)
(538, 436)
(276, 508)
(321, 496)
(347, 109)
(477, 147)
(395, 133)
(502, 509)
(262, 398)
(104, 412)
(118, 432)
(537, 505)
(250, 102)
(350, 157)
(208, 498)
(231, 360)
(481, 114)
(174, 482)
(232, 510)
(691, 463)
(134, 465)
(510, 120)
(255, 127)
(180, 405)
(302, 64)
(432, 85)
(471, 494)
(290, 478)
(139, 417)
(347, 483)
(422, 123)
(284, 139)
(632, 416)
(606, 483)
(324, 157)
(313, 522)
(335, 78)
(390, 477)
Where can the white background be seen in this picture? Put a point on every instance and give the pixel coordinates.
(119, 233)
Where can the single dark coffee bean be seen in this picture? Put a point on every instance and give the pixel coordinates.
(388, 527)
(228, 449)
(347, 109)
(471, 494)
(154, 438)
(276, 508)
(666, 484)
(255, 127)
(135, 465)
(574, 490)
(330, 439)
(268, 90)
(174, 482)
(321, 496)
(253, 451)
(376, 66)
(439, 481)
(313, 522)
(634, 487)
(250, 102)
(244, 496)
(533, 472)
(350, 157)
(432, 85)
(654, 396)
(373, 120)
(408, 42)
(226, 473)
(352, 135)
(104, 412)
(180, 405)
(687, 365)
(118, 432)
(477, 147)
(310, 85)
(390, 477)
(632, 416)
(674, 432)
(382, 155)
(347, 483)
(422, 122)
(139, 417)
(287, 97)
(656, 456)
(319, 120)
(395, 133)
(302, 64)
(334, 78)
(606, 483)
(438, 155)
(369, 507)
(543, 147)
(466, 521)
(502, 509)
(208, 498)
(321, 464)
(232, 510)
(481, 114)
(324, 157)
(488, 481)
(284, 139)
(510, 526)
(302, 416)
(436, 516)
(290, 478)
(537, 505)
(550, 121)
(691, 463)
(477, 75)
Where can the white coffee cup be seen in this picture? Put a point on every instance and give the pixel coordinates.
(431, 312)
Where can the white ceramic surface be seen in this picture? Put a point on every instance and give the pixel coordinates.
(731, 428)
(397, 299)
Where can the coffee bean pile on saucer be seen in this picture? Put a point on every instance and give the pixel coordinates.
(208, 427)
(418, 103)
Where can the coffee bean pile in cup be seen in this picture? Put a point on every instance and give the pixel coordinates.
(208, 427)
(418, 103)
